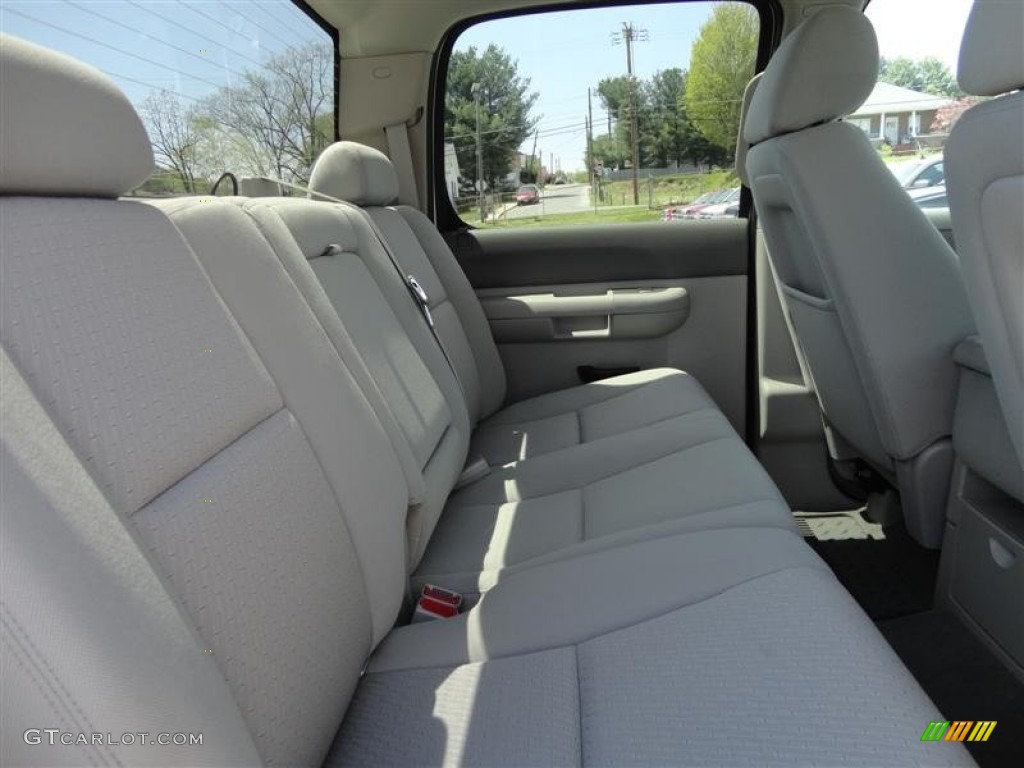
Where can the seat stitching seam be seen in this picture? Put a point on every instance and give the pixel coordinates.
(216, 454)
(513, 422)
(525, 565)
(35, 658)
(674, 452)
(603, 633)
(579, 701)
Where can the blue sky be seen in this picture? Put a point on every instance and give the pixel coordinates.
(191, 46)
(194, 46)
(565, 53)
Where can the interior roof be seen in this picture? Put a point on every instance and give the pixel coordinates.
(384, 27)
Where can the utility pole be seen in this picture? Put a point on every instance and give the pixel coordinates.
(476, 90)
(590, 143)
(630, 35)
(533, 157)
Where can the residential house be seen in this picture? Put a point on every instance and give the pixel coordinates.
(897, 115)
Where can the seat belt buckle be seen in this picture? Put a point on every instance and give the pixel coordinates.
(477, 469)
(421, 297)
(417, 289)
(436, 603)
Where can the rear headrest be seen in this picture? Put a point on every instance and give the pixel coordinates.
(821, 72)
(258, 186)
(992, 51)
(741, 144)
(355, 173)
(65, 128)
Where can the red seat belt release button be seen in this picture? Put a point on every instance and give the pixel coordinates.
(436, 603)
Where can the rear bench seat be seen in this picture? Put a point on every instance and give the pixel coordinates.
(203, 528)
(667, 461)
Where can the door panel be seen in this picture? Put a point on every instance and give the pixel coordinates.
(587, 311)
(499, 258)
(615, 297)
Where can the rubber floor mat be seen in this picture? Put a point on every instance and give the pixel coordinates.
(886, 571)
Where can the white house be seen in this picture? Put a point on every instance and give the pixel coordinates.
(897, 115)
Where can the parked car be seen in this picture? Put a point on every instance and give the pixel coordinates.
(528, 194)
(921, 174)
(690, 211)
(929, 197)
(728, 207)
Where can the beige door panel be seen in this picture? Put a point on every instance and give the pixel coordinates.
(584, 312)
(700, 329)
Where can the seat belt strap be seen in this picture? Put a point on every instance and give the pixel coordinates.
(401, 157)
(421, 298)
(412, 285)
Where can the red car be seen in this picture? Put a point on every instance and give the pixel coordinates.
(528, 194)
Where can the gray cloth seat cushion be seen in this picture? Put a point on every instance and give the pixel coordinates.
(690, 649)
(691, 472)
(588, 412)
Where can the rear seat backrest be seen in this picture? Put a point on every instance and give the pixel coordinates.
(119, 334)
(366, 178)
(333, 257)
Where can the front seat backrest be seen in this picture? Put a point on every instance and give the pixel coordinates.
(985, 167)
(873, 290)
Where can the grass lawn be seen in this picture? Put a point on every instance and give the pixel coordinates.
(601, 216)
(668, 190)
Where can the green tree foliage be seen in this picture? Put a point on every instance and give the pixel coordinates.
(613, 148)
(928, 75)
(505, 111)
(610, 151)
(721, 63)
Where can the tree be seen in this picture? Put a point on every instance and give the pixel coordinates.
(721, 63)
(505, 111)
(928, 75)
(614, 148)
(610, 151)
(666, 131)
(276, 121)
(175, 134)
(946, 117)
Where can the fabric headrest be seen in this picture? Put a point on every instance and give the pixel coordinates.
(356, 174)
(992, 51)
(821, 72)
(65, 128)
(741, 144)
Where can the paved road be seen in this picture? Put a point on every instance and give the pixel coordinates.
(555, 198)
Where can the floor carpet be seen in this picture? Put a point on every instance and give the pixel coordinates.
(964, 680)
(893, 579)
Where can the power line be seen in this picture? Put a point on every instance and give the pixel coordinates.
(151, 85)
(203, 59)
(194, 32)
(518, 127)
(256, 24)
(114, 48)
(280, 20)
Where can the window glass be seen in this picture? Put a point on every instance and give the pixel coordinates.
(246, 87)
(627, 114)
(917, 101)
